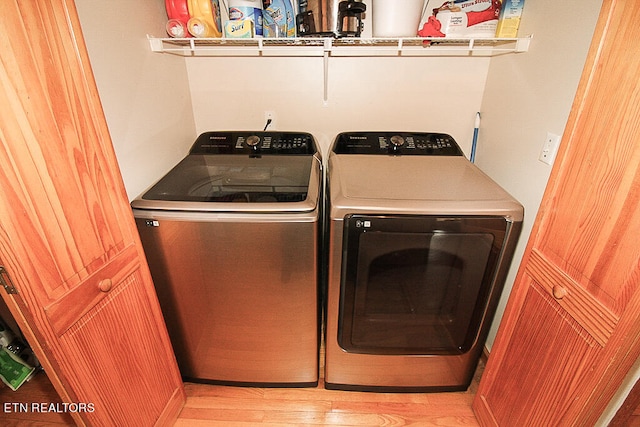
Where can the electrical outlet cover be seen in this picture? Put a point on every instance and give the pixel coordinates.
(550, 148)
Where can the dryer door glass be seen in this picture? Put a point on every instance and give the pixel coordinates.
(416, 285)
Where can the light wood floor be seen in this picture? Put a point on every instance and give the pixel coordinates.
(232, 406)
(210, 405)
(37, 390)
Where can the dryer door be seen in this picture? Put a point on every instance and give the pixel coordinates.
(416, 284)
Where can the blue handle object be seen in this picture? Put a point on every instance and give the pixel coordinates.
(475, 138)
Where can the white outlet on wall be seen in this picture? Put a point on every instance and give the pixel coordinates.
(550, 148)
(270, 120)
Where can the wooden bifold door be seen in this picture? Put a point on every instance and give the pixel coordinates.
(571, 329)
(83, 293)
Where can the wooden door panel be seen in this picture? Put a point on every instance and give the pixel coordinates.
(67, 233)
(583, 255)
(120, 386)
(22, 226)
(74, 304)
(51, 138)
(578, 238)
(593, 229)
(549, 343)
(592, 315)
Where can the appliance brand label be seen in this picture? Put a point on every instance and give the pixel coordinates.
(363, 223)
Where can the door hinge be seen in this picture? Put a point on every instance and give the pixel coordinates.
(5, 281)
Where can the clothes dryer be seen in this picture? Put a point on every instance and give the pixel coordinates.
(419, 244)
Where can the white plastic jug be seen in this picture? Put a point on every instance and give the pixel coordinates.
(247, 9)
(396, 18)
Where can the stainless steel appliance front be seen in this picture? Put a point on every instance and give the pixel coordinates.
(231, 239)
(419, 243)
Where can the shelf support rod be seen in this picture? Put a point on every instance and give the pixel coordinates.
(522, 44)
(156, 44)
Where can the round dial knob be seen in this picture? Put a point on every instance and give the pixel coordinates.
(397, 141)
(253, 141)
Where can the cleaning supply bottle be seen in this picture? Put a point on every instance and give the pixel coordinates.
(278, 18)
(247, 9)
(205, 18)
(178, 14)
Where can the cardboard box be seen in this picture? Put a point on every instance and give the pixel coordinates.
(461, 18)
(239, 29)
(13, 370)
(509, 20)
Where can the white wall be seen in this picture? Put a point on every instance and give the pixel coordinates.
(411, 94)
(528, 95)
(145, 96)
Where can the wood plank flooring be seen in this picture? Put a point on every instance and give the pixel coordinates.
(231, 406)
(211, 405)
(37, 390)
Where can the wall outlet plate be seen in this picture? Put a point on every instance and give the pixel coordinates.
(270, 120)
(550, 148)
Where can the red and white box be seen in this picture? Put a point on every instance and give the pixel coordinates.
(460, 18)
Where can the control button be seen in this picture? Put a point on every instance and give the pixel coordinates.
(396, 143)
(253, 140)
(397, 140)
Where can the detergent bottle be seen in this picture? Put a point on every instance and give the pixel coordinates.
(278, 18)
(178, 14)
(205, 18)
(247, 9)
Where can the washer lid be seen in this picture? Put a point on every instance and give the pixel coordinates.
(241, 172)
(237, 179)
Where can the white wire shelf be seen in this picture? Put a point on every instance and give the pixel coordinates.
(318, 46)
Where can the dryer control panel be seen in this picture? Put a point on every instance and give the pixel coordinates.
(247, 142)
(396, 143)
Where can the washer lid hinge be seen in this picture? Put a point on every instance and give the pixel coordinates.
(5, 281)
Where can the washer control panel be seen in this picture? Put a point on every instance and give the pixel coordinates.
(280, 143)
(396, 143)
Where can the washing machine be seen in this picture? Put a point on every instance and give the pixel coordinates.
(231, 235)
(419, 244)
